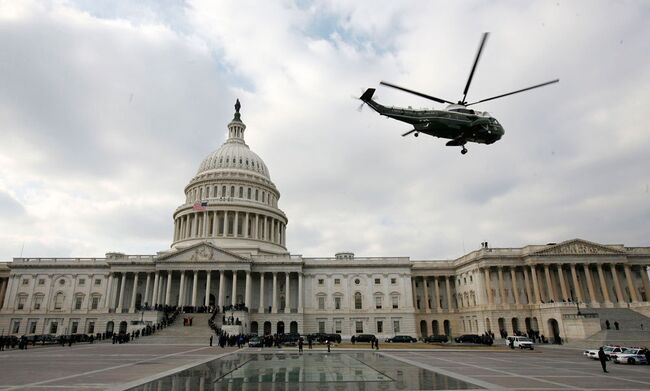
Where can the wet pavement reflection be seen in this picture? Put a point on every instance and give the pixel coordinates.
(291, 371)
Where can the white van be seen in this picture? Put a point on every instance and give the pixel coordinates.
(520, 342)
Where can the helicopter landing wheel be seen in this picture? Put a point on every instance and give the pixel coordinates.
(463, 151)
(417, 134)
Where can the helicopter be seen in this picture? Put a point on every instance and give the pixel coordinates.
(457, 121)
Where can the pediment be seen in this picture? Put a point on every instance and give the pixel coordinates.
(201, 252)
(578, 247)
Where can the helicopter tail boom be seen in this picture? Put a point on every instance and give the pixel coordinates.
(367, 96)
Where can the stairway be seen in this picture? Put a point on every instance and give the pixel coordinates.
(198, 333)
(627, 319)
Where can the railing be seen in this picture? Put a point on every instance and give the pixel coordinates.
(581, 316)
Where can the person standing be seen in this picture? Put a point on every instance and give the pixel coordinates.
(603, 359)
(309, 343)
(328, 345)
(616, 325)
(300, 345)
(376, 343)
(210, 340)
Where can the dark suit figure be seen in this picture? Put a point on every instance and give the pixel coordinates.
(603, 359)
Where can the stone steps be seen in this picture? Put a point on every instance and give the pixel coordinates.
(626, 318)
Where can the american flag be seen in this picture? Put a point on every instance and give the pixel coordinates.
(200, 205)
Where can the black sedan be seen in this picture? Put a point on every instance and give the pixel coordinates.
(436, 339)
(402, 339)
(469, 338)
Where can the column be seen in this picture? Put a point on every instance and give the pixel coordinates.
(488, 285)
(247, 290)
(256, 233)
(236, 227)
(206, 221)
(274, 309)
(576, 283)
(135, 291)
(233, 297)
(427, 308)
(634, 298)
(560, 273)
(617, 285)
(261, 309)
(225, 226)
(195, 284)
(436, 288)
(107, 298)
(515, 289)
(207, 286)
(300, 292)
(120, 299)
(529, 295)
(533, 275)
(502, 290)
(181, 290)
(215, 222)
(590, 283)
(549, 284)
(169, 288)
(145, 299)
(287, 300)
(448, 293)
(644, 280)
(246, 226)
(3, 286)
(414, 293)
(603, 285)
(154, 294)
(222, 283)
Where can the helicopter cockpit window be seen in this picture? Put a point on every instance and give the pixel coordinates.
(464, 111)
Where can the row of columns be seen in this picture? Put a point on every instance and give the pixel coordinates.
(162, 290)
(436, 280)
(3, 291)
(221, 223)
(567, 289)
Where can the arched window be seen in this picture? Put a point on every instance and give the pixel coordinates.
(21, 300)
(223, 191)
(232, 191)
(38, 301)
(58, 301)
(241, 192)
(249, 193)
(358, 302)
(257, 195)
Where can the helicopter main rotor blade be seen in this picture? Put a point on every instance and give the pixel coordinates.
(471, 74)
(515, 92)
(415, 93)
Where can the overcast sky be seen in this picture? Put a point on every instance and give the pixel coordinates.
(107, 108)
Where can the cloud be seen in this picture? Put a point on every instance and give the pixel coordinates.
(110, 108)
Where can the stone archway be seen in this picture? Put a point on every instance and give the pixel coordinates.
(528, 323)
(447, 326)
(280, 328)
(435, 327)
(554, 331)
(267, 328)
(254, 327)
(110, 326)
(123, 327)
(488, 325)
(423, 329)
(515, 325)
(293, 327)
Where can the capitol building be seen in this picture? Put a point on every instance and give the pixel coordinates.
(229, 248)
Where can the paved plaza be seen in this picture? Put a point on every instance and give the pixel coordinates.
(133, 366)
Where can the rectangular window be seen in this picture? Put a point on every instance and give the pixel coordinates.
(378, 302)
(337, 303)
(25, 281)
(357, 301)
(15, 328)
(32, 327)
(77, 302)
(38, 300)
(337, 327)
(358, 325)
(396, 326)
(321, 303)
(74, 327)
(95, 303)
(395, 302)
(377, 281)
(393, 281)
(337, 281)
(91, 327)
(380, 326)
(41, 281)
(98, 281)
(21, 302)
(321, 326)
(82, 281)
(321, 281)
(54, 326)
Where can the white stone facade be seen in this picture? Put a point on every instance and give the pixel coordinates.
(229, 247)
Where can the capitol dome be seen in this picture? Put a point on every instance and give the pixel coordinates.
(231, 201)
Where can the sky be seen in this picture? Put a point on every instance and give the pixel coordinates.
(107, 109)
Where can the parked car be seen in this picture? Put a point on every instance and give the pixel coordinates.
(436, 339)
(609, 350)
(520, 342)
(322, 337)
(630, 356)
(255, 342)
(469, 338)
(364, 337)
(290, 339)
(402, 339)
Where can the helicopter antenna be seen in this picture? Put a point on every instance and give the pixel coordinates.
(514, 92)
(471, 74)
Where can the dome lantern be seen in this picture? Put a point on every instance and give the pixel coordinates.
(236, 127)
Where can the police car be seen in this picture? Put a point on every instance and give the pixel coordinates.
(630, 356)
(609, 350)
